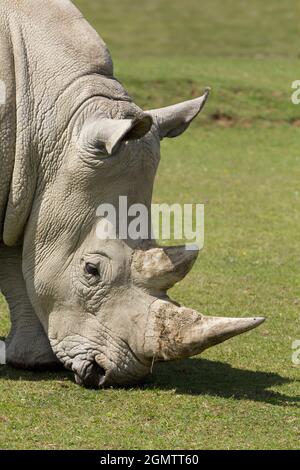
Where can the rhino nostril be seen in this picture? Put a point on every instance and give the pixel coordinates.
(94, 376)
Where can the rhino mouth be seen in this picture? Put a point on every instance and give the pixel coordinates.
(100, 364)
(94, 376)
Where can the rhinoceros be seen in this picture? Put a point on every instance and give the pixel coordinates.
(71, 138)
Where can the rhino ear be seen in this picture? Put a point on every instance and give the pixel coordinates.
(104, 136)
(174, 120)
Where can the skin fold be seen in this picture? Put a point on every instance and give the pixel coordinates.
(71, 139)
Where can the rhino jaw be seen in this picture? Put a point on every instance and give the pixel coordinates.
(177, 332)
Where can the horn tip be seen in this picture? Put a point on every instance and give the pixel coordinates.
(248, 324)
(202, 99)
(258, 320)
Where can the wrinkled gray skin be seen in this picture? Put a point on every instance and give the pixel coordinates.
(70, 139)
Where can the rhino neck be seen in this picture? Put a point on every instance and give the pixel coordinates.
(56, 71)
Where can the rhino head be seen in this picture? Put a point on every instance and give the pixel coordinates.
(82, 143)
(103, 302)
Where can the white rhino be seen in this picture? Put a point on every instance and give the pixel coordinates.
(70, 139)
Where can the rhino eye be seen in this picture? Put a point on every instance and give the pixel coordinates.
(92, 269)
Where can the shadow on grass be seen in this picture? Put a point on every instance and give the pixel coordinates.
(9, 373)
(191, 377)
(204, 377)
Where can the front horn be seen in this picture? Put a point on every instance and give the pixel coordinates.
(177, 332)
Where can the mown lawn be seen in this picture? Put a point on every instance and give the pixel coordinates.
(241, 158)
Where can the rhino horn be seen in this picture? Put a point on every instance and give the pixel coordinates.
(159, 268)
(101, 135)
(176, 332)
(174, 120)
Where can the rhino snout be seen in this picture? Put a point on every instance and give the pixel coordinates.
(94, 376)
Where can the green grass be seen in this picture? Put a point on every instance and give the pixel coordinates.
(172, 28)
(241, 158)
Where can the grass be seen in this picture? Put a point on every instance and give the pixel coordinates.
(169, 28)
(241, 158)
